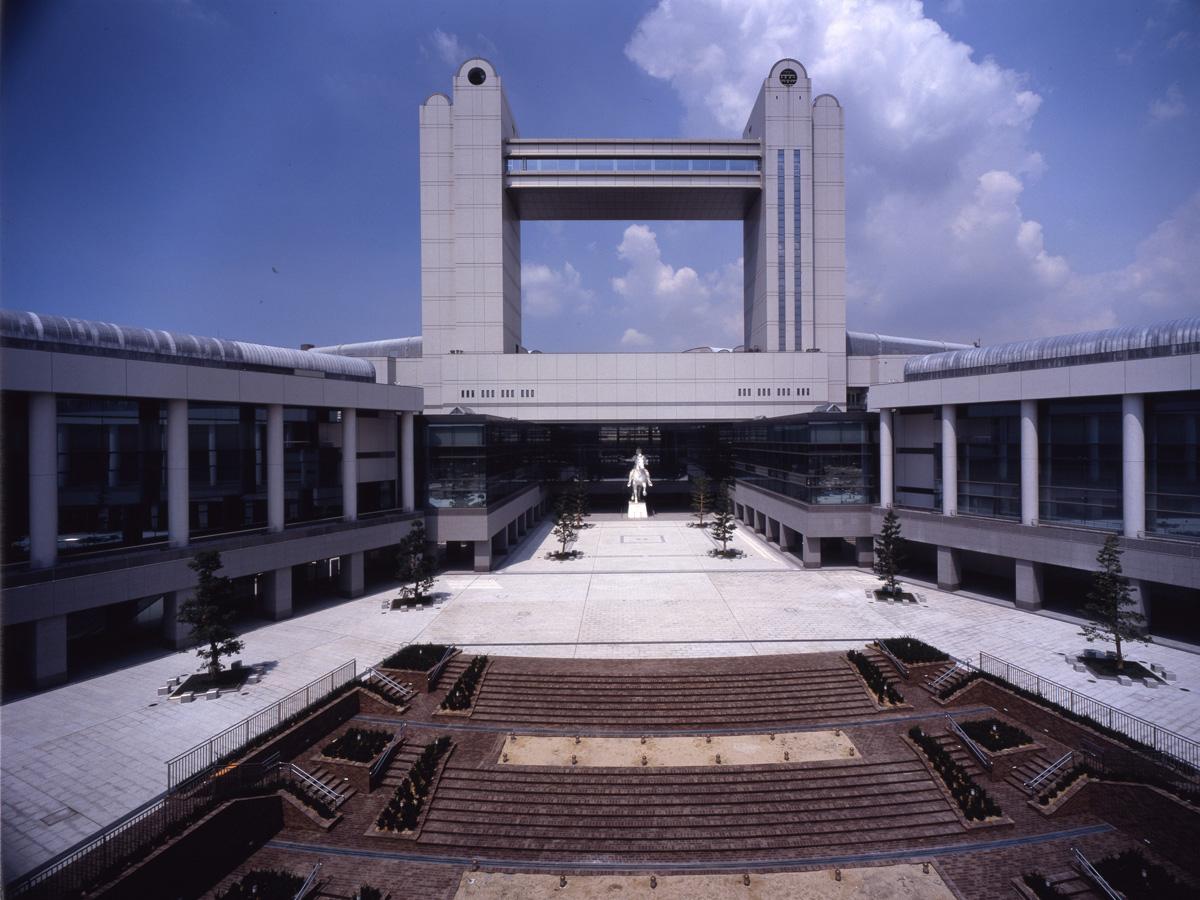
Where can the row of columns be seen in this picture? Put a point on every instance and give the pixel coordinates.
(789, 540)
(506, 537)
(1133, 456)
(43, 473)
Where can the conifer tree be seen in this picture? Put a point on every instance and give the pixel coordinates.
(702, 498)
(565, 527)
(415, 565)
(889, 550)
(210, 612)
(1111, 607)
(723, 523)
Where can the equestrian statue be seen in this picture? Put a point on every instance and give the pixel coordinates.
(639, 478)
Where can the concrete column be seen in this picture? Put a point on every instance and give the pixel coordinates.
(760, 522)
(483, 556)
(1029, 463)
(114, 455)
(787, 537)
(812, 552)
(949, 573)
(887, 484)
(500, 541)
(772, 531)
(407, 483)
(949, 460)
(43, 480)
(864, 551)
(522, 524)
(1133, 458)
(275, 467)
(1137, 593)
(350, 465)
(350, 578)
(175, 633)
(177, 473)
(277, 593)
(49, 655)
(1028, 584)
(513, 535)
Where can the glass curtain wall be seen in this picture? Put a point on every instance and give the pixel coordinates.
(825, 462)
(227, 478)
(1080, 454)
(481, 462)
(989, 460)
(14, 458)
(312, 464)
(1173, 465)
(111, 473)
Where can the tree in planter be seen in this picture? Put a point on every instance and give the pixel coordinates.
(566, 527)
(1111, 606)
(415, 566)
(702, 498)
(577, 500)
(723, 523)
(889, 550)
(210, 612)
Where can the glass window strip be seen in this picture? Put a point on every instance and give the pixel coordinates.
(798, 256)
(781, 216)
(517, 165)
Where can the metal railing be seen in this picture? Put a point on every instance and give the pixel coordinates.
(960, 665)
(1170, 743)
(389, 752)
(435, 673)
(900, 667)
(984, 759)
(309, 883)
(1090, 872)
(200, 759)
(1039, 781)
(402, 689)
(310, 781)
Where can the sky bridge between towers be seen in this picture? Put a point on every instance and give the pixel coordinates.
(626, 179)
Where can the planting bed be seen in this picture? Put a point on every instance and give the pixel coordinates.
(913, 651)
(995, 735)
(1106, 667)
(358, 745)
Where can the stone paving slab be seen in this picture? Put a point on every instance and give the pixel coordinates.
(97, 747)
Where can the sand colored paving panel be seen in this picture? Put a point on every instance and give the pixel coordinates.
(899, 882)
(690, 750)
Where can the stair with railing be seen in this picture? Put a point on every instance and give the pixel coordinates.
(396, 692)
(321, 784)
(946, 679)
(1039, 772)
(893, 670)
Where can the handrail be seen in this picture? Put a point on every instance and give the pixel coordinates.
(308, 882)
(959, 664)
(1037, 781)
(324, 789)
(385, 759)
(900, 667)
(402, 689)
(435, 673)
(1090, 871)
(1178, 747)
(200, 759)
(984, 759)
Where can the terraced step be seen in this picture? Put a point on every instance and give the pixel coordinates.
(1026, 770)
(332, 780)
(953, 745)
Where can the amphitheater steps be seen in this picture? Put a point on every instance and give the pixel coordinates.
(953, 745)
(885, 666)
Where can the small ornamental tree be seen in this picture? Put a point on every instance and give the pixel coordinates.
(415, 565)
(210, 612)
(723, 524)
(577, 500)
(566, 528)
(889, 550)
(1110, 605)
(702, 498)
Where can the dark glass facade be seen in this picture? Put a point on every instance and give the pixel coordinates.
(814, 459)
(1173, 465)
(989, 460)
(111, 473)
(1080, 456)
(14, 460)
(475, 461)
(227, 474)
(312, 464)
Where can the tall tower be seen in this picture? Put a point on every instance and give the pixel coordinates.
(795, 233)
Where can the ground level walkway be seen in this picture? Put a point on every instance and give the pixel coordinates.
(77, 757)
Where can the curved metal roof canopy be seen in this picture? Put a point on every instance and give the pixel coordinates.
(103, 338)
(401, 348)
(870, 343)
(1112, 344)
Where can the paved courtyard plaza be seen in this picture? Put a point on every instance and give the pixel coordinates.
(78, 757)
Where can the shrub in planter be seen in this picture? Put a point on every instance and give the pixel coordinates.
(995, 735)
(358, 745)
(1064, 781)
(316, 804)
(912, 651)
(404, 808)
(971, 798)
(462, 694)
(874, 678)
(416, 657)
(263, 884)
(1137, 878)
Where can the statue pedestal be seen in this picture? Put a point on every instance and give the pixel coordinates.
(637, 511)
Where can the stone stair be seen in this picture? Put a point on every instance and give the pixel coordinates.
(331, 780)
(952, 744)
(1025, 770)
(884, 665)
(927, 677)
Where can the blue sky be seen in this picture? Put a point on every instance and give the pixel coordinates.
(248, 169)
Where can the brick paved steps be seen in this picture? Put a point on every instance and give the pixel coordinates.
(400, 765)
(953, 745)
(457, 665)
(928, 677)
(331, 780)
(890, 675)
(1073, 884)
(1026, 770)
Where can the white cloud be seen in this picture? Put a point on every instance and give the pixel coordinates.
(1169, 106)
(545, 290)
(634, 338)
(938, 155)
(448, 47)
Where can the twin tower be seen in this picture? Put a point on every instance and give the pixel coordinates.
(479, 179)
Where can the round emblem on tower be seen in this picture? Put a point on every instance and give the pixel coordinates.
(787, 77)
